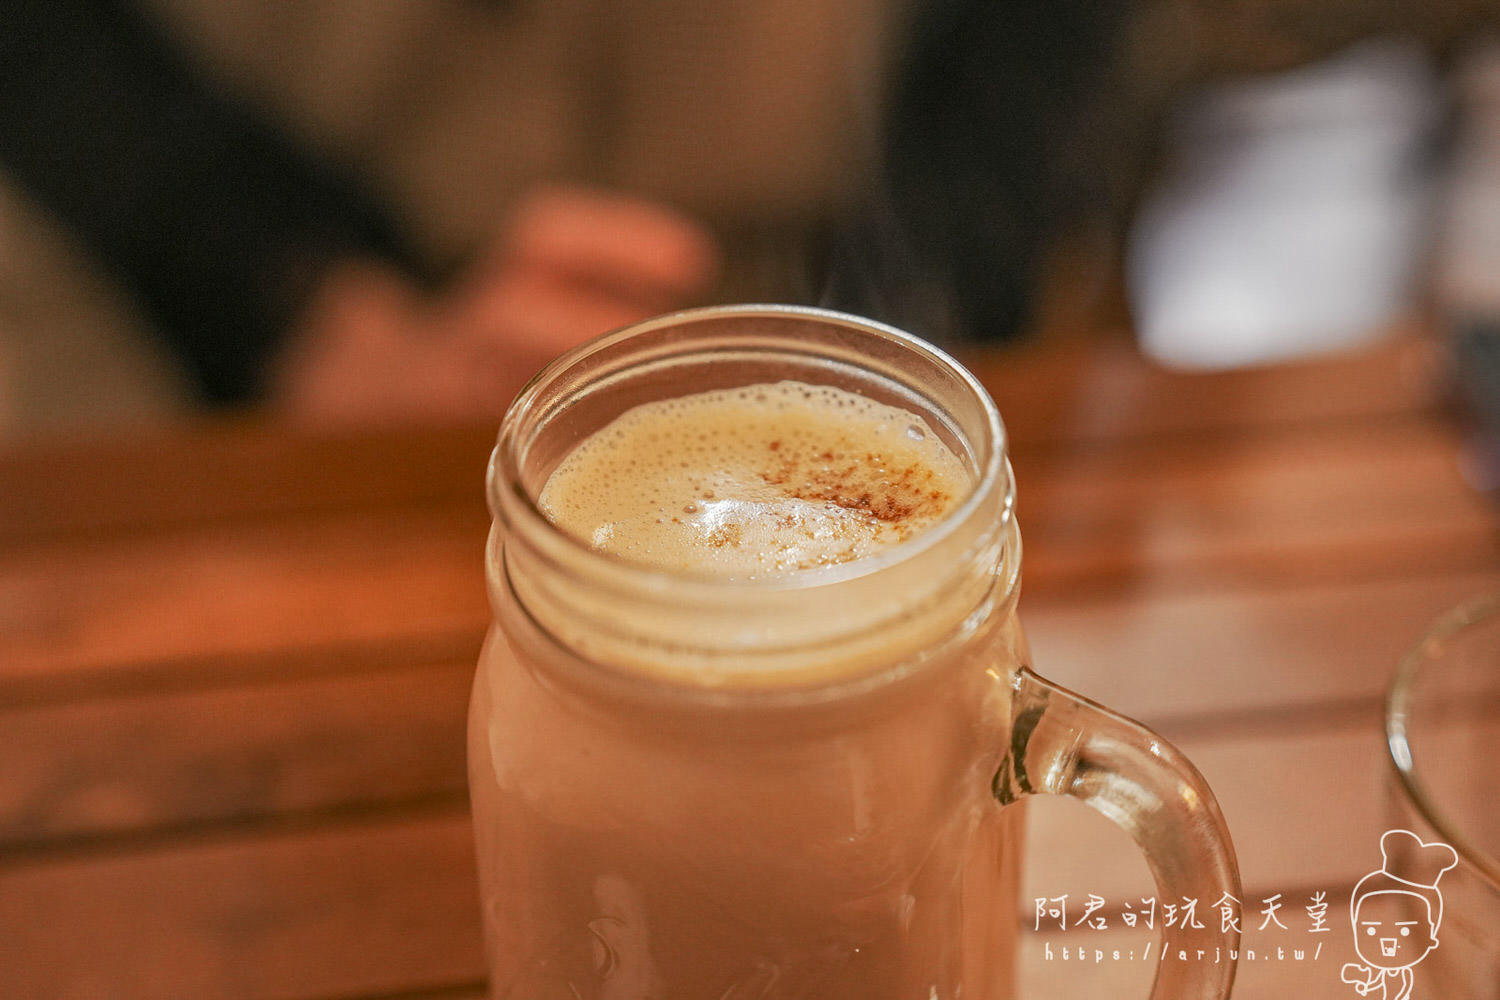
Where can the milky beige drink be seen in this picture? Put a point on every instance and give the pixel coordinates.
(820, 873)
(756, 482)
(755, 707)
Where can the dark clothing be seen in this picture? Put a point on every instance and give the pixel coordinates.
(979, 165)
(215, 221)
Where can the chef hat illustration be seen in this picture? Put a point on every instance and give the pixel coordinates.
(1408, 865)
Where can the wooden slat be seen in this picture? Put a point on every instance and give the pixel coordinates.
(1301, 808)
(1222, 653)
(1097, 390)
(1368, 466)
(138, 604)
(220, 470)
(1337, 504)
(100, 766)
(382, 907)
(377, 909)
(114, 767)
(139, 616)
(1081, 392)
(1335, 507)
(1322, 550)
(374, 907)
(233, 662)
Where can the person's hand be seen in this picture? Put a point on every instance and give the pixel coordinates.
(1355, 975)
(573, 263)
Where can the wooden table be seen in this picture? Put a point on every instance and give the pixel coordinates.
(234, 665)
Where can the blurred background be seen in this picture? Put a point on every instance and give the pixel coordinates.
(271, 272)
(396, 210)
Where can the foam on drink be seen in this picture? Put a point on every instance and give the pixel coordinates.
(756, 481)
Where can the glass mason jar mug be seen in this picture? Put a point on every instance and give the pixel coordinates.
(688, 787)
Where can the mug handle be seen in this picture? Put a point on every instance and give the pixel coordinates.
(1063, 744)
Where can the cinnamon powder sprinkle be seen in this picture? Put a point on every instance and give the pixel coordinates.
(862, 484)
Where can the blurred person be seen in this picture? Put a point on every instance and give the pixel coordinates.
(1012, 125)
(990, 149)
(1003, 126)
(268, 273)
(573, 263)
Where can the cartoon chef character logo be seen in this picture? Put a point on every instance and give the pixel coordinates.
(1396, 911)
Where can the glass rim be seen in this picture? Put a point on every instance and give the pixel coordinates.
(511, 502)
(1398, 707)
